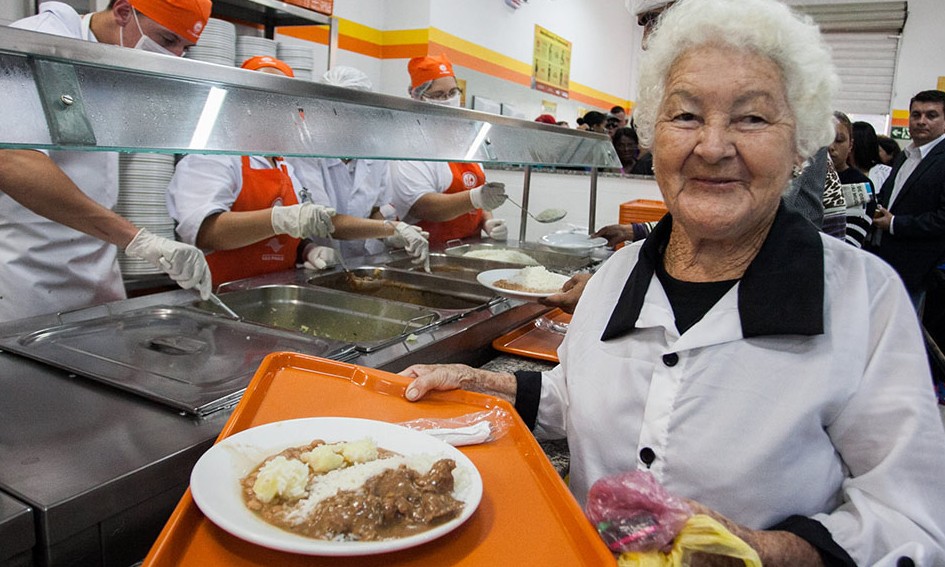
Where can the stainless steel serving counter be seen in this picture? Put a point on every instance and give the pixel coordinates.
(102, 468)
(17, 533)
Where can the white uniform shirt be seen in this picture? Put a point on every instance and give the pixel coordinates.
(45, 266)
(204, 185)
(354, 188)
(414, 179)
(841, 427)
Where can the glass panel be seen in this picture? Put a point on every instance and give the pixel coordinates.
(140, 101)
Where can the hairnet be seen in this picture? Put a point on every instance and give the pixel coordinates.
(348, 77)
(262, 61)
(186, 18)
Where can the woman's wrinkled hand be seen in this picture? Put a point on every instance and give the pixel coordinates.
(444, 377)
(571, 292)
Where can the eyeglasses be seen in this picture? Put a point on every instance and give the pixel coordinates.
(441, 95)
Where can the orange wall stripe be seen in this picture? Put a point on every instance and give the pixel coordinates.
(481, 65)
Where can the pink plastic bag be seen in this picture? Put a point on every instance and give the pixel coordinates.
(633, 512)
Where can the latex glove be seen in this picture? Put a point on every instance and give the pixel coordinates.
(303, 221)
(496, 229)
(319, 257)
(185, 264)
(489, 196)
(414, 241)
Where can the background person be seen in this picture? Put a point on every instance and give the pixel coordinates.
(58, 233)
(251, 213)
(889, 149)
(909, 226)
(865, 155)
(853, 183)
(448, 200)
(356, 187)
(807, 427)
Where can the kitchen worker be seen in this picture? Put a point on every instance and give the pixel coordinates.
(58, 234)
(252, 215)
(448, 200)
(356, 187)
(769, 373)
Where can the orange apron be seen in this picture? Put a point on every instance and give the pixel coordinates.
(262, 189)
(466, 176)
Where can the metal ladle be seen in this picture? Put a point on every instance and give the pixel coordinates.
(546, 216)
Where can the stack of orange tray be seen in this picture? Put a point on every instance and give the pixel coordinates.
(641, 210)
(533, 341)
(526, 516)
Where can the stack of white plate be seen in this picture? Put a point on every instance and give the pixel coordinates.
(142, 186)
(299, 57)
(250, 46)
(217, 44)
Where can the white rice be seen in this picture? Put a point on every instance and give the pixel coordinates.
(502, 255)
(538, 279)
(353, 478)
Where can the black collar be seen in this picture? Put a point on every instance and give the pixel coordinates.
(781, 293)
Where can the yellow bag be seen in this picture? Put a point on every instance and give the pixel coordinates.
(701, 533)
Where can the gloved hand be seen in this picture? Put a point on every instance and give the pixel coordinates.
(496, 229)
(184, 263)
(319, 257)
(303, 221)
(489, 196)
(414, 241)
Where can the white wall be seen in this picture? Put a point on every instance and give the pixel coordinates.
(921, 51)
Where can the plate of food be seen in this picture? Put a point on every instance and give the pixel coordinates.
(572, 241)
(335, 486)
(530, 283)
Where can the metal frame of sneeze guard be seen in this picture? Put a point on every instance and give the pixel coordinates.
(72, 94)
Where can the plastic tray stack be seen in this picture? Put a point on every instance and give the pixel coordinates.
(142, 187)
(250, 46)
(641, 210)
(217, 44)
(299, 57)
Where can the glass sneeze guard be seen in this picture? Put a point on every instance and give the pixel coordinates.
(63, 93)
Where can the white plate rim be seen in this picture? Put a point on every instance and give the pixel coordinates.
(590, 244)
(489, 277)
(215, 487)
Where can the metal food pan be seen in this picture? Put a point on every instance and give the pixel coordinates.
(418, 288)
(457, 267)
(554, 261)
(367, 322)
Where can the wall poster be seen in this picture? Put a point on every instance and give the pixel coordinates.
(551, 69)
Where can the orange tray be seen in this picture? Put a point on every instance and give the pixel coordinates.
(641, 210)
(532, 342)
(526, 516)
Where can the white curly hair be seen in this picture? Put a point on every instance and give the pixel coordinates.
(766, 27)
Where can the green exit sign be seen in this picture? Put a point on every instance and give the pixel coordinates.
(900, 133)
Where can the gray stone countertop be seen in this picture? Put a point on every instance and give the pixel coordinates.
(557, 450)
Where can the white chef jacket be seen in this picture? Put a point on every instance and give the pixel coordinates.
(204, 185)
(354, 188)
(751, 411)
(414, 179)
(45, 266)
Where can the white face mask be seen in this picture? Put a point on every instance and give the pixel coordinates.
(453, 101)
(145, 43)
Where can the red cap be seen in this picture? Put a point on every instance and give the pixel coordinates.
(262, 61)
(424, 69)
(186, 18)
(547, 119)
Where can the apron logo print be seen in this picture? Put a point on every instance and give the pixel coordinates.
(275, 245)
(469, 179)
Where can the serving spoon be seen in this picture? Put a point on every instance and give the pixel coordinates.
(546, 216)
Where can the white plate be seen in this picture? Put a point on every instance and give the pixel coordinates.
(572, 241)
(488, 279)
(215, 480)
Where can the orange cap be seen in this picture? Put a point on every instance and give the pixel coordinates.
(186, 18)
(262, 61)
(423, 69)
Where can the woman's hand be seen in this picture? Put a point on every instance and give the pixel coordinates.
(571, 292)
(444, 377)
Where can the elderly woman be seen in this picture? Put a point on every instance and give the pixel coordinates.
(771, 374)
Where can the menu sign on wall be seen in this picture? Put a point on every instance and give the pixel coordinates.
(551, 70)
